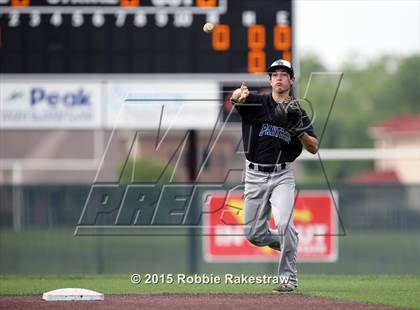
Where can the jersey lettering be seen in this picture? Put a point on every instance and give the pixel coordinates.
(275, 131)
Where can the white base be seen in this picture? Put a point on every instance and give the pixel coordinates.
(71, 294)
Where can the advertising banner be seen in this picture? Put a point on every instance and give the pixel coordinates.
(315, 218)
(168, 104)
(50, 105)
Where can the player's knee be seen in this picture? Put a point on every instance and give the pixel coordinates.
(287, 229)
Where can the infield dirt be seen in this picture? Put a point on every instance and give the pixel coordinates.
(202, 302)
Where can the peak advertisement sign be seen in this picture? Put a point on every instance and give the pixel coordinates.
(315, 218)
(49, 104)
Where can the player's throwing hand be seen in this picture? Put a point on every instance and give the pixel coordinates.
(240, 94)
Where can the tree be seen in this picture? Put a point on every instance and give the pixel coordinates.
(145, 170)
(386, 87)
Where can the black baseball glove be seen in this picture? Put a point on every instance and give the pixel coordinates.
(289, 116)
(294, 115)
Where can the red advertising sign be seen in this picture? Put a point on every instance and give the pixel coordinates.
(315, 219)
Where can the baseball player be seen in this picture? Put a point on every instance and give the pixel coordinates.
(274, 129)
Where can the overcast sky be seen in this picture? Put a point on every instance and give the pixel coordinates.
(337, 29)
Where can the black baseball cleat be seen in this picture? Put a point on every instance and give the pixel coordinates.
(285, 288)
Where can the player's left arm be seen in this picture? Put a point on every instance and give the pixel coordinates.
(308, 137)
(309, 142)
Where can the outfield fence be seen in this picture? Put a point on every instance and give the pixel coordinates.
(379, 233)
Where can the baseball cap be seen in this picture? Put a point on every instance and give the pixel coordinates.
(281, 63)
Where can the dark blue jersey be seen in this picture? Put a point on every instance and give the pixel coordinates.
(265, 140)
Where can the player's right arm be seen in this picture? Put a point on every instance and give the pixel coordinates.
(248, 105)
(240, 94)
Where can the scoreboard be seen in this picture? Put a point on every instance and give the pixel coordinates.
(143, 36)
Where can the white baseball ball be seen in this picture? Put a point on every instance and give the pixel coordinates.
(208, 27)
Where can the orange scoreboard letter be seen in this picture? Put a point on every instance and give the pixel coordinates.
(287, 56)
(256, 37)
(206, 3)
(221, 37)
(20, 3)
(129, 3)
(282, 38)
(256, 61)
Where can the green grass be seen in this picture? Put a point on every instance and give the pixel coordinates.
(399, 291)
(57, 251)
